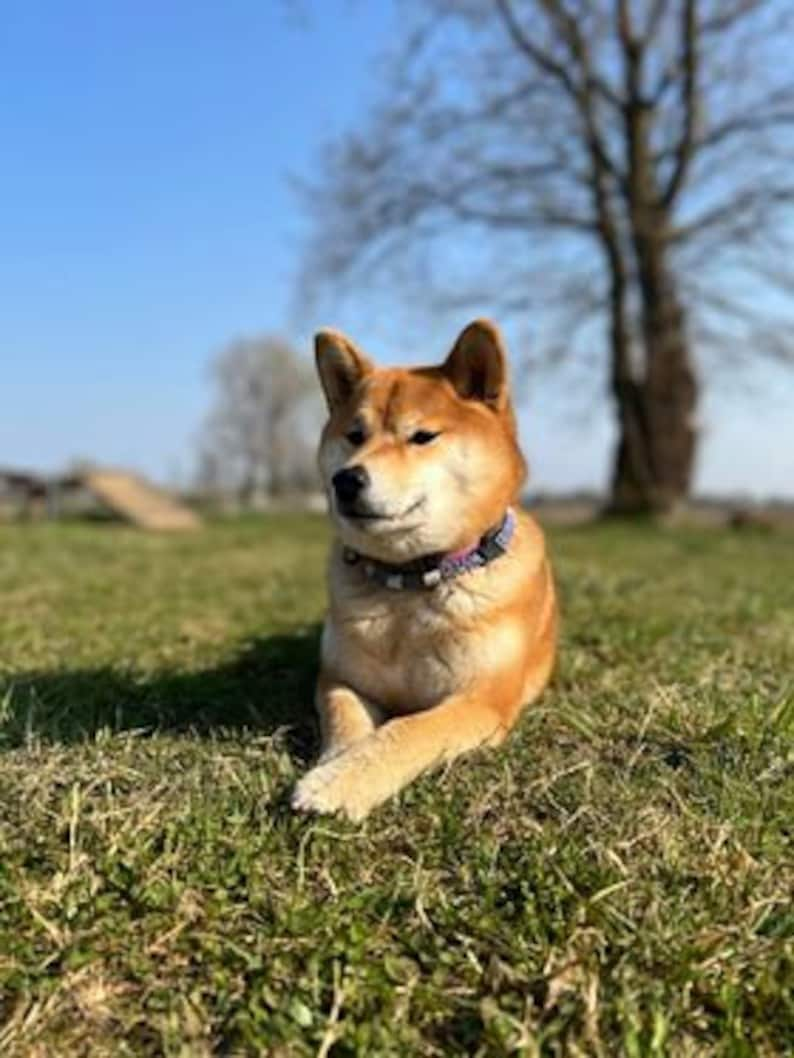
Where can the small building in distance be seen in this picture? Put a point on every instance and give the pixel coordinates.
(93, 492)
(23, 495)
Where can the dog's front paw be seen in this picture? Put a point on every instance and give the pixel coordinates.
(331, 788)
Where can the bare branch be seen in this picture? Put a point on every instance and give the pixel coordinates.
(540, 59)
(728, 14)
(737, 207)
(656, 13)
(689, 102)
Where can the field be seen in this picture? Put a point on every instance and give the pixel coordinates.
(617, 881)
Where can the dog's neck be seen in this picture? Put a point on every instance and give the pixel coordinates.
(429, 571)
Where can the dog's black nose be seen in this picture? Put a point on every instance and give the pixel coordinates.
(348, 483)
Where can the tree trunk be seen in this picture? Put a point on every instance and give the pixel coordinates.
(276, 464)
(656, 401)
(631, 474)
(246, 492)
(655, 454)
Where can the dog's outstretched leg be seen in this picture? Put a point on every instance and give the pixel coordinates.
(356, 780)
(345, 718)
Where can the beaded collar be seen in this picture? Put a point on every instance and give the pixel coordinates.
(430, 570)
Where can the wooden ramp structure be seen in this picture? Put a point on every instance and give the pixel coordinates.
(134, 499)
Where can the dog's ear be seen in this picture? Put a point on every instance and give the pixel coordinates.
(477, 365)
(340, 364)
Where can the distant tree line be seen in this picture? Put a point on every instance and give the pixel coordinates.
(257, 442)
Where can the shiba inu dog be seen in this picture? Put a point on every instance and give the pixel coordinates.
(442, 619)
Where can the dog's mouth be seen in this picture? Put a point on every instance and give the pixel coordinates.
(367, 515)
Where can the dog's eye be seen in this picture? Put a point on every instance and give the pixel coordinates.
(356, 436)
(423, 437)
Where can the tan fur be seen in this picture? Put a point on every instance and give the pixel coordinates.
(410, 679)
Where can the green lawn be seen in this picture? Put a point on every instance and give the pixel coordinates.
(616, 881)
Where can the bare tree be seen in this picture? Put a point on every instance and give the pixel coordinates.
(256, 437)
(589, 161)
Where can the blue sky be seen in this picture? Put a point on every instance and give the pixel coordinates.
(147, 219)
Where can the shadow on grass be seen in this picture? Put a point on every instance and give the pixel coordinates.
(269, 686)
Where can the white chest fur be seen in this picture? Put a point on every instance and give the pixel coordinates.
(406, 650)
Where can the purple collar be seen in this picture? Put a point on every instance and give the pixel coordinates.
(431, 570)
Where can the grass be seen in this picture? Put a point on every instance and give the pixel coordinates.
(617, 881)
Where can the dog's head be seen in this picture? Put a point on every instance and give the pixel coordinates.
(421, 460)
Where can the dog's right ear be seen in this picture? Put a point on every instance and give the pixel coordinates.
(340, 364)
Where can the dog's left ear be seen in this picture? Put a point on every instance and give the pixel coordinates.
(477, 365)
